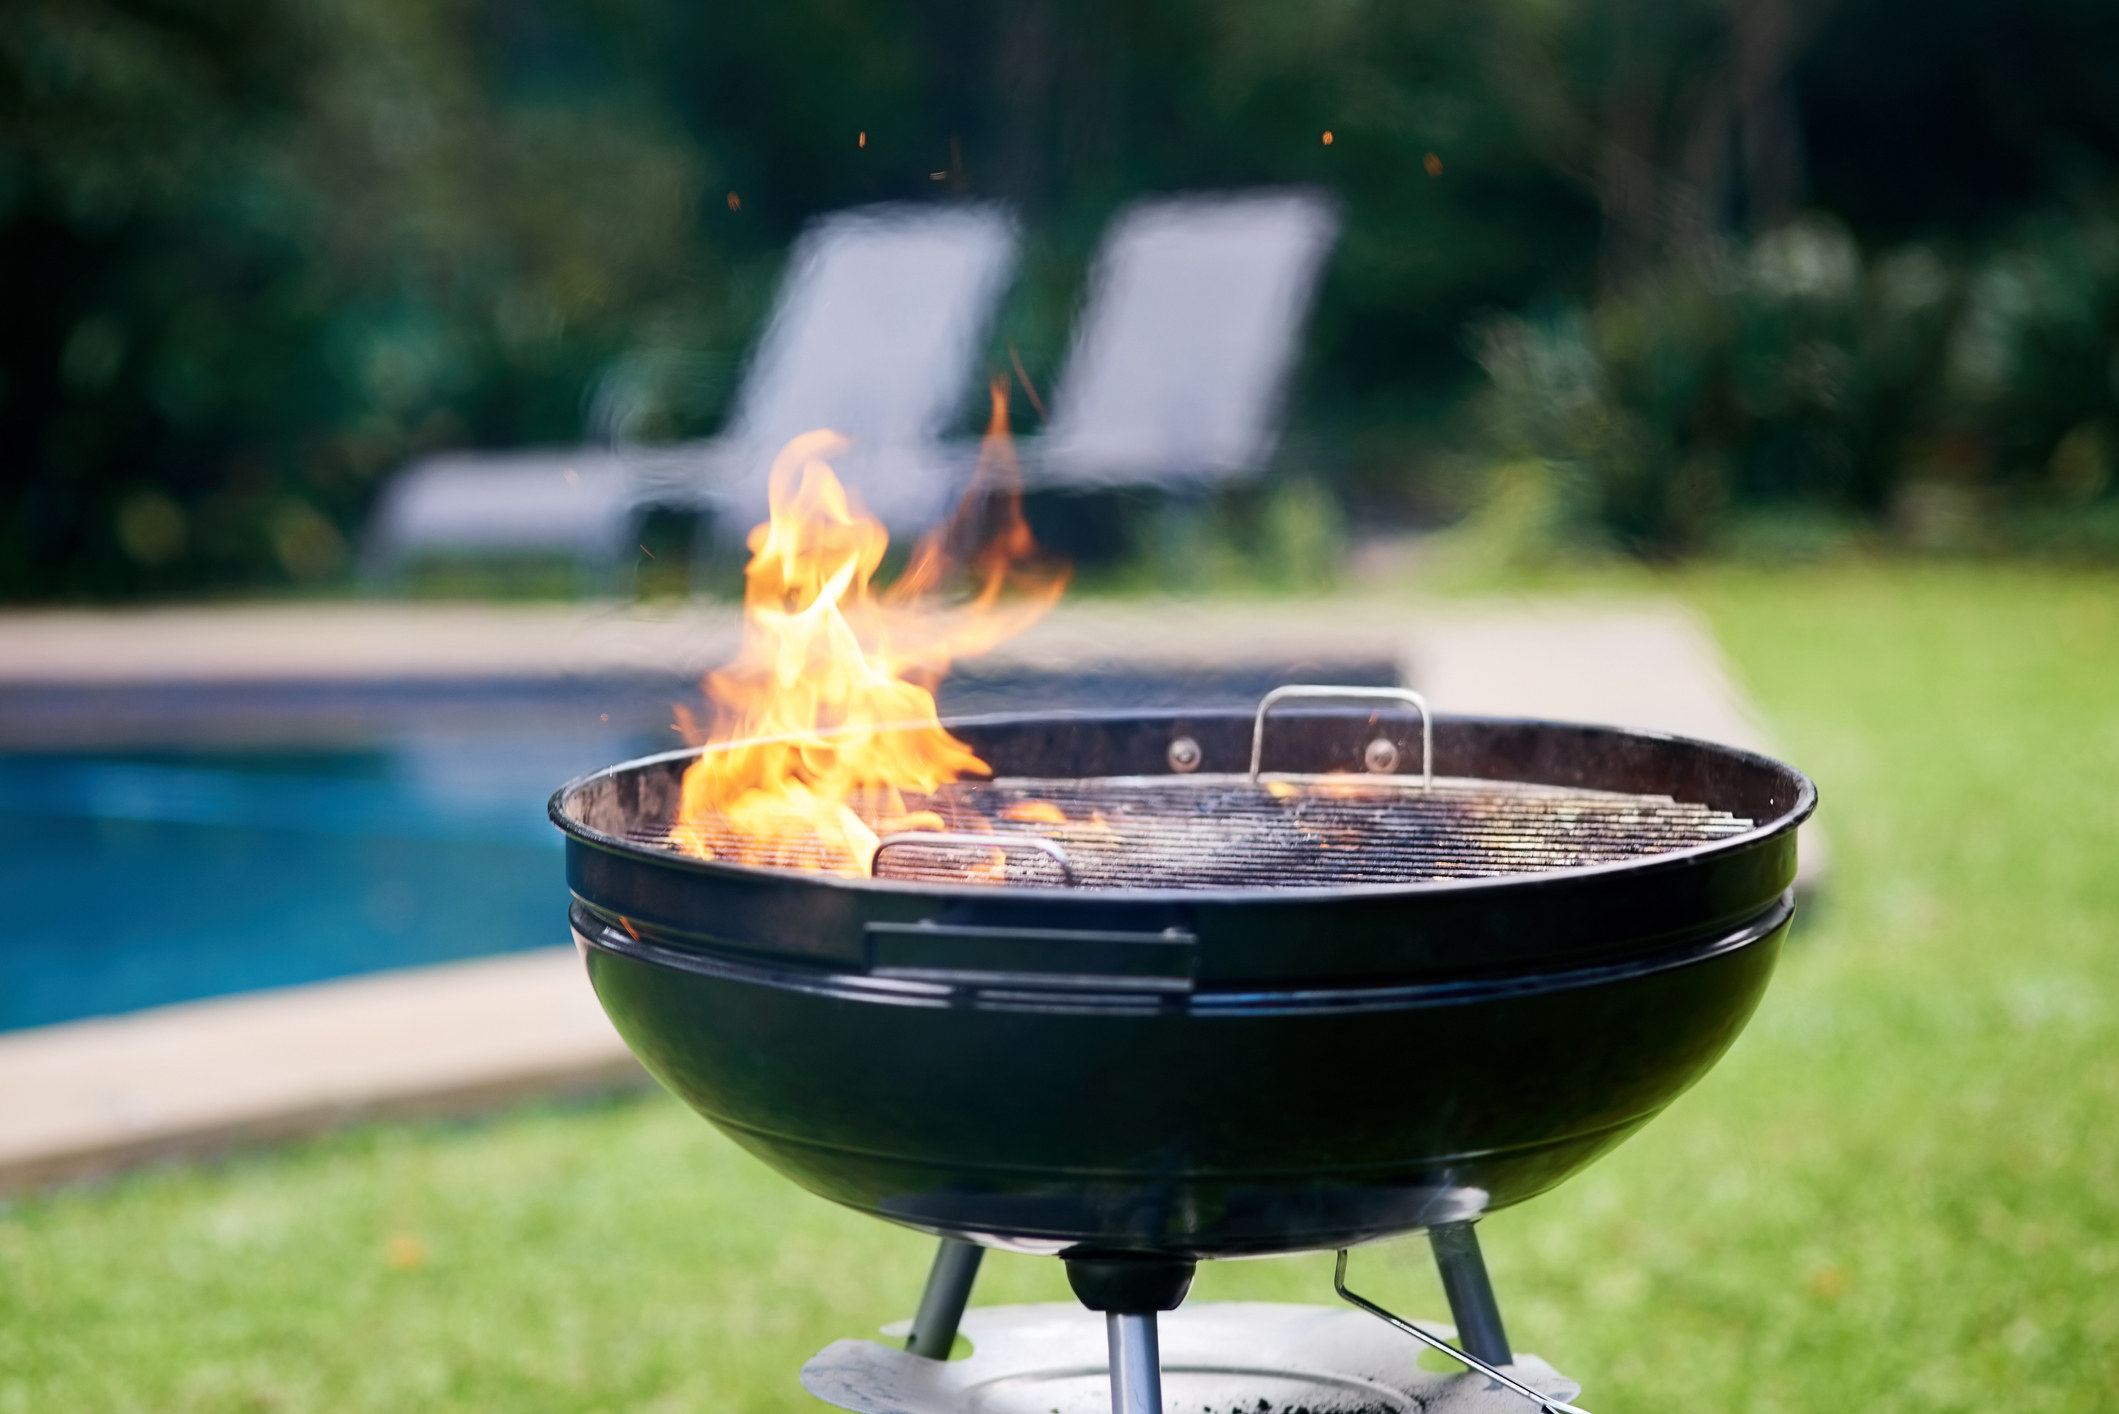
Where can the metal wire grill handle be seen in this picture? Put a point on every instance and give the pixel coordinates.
(1049, 848)
(1545, 1402)
(1358, 694)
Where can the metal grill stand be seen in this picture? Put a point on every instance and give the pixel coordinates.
(1130, 1291)
(1225, 1356)
(1470, 1292)
(956, 1267)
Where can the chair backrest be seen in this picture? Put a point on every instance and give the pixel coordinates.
(879, 321)
(881, 316)
(1182, 353)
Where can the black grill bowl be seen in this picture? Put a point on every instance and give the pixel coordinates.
(1194, 1072)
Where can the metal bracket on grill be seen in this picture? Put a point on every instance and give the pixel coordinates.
(1049, 848)
(1371, 694)
(1545, 1402)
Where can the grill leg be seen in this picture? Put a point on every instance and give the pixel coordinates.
(956, 1266)
(1136, 1363)
(1129, 1289)
(1471, 1295)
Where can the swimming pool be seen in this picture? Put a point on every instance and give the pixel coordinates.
(140, 878)
(176, 843)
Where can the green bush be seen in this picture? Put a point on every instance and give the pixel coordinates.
(265, 254)
(282, 249)
(1777, 395)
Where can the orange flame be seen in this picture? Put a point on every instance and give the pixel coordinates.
(826, 721)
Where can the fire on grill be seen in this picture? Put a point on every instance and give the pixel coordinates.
(827, 718)
(1137, 989)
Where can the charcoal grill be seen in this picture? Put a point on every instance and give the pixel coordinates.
(1285, 980)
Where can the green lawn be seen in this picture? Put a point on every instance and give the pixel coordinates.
(1900, 1191)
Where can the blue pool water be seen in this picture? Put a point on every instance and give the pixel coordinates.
(136, 879)
(392, 824)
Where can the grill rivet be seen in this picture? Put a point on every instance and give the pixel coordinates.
(1381, 756)
(1184, 755)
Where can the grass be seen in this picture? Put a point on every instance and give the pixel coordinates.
(1899, 1192)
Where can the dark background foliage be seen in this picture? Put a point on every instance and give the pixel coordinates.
(259, 254)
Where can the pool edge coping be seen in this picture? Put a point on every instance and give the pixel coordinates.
(95, 1097)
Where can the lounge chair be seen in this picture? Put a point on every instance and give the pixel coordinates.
(880, 318)
(1181, 357)
(1180, 360)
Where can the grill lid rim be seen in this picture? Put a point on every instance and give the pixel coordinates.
(1762, 832)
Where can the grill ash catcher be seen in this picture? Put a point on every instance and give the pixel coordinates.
(1125, 1039)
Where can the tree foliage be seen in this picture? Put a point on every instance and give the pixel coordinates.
(260, 254)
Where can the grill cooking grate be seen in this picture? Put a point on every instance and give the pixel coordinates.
(1220, 832)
